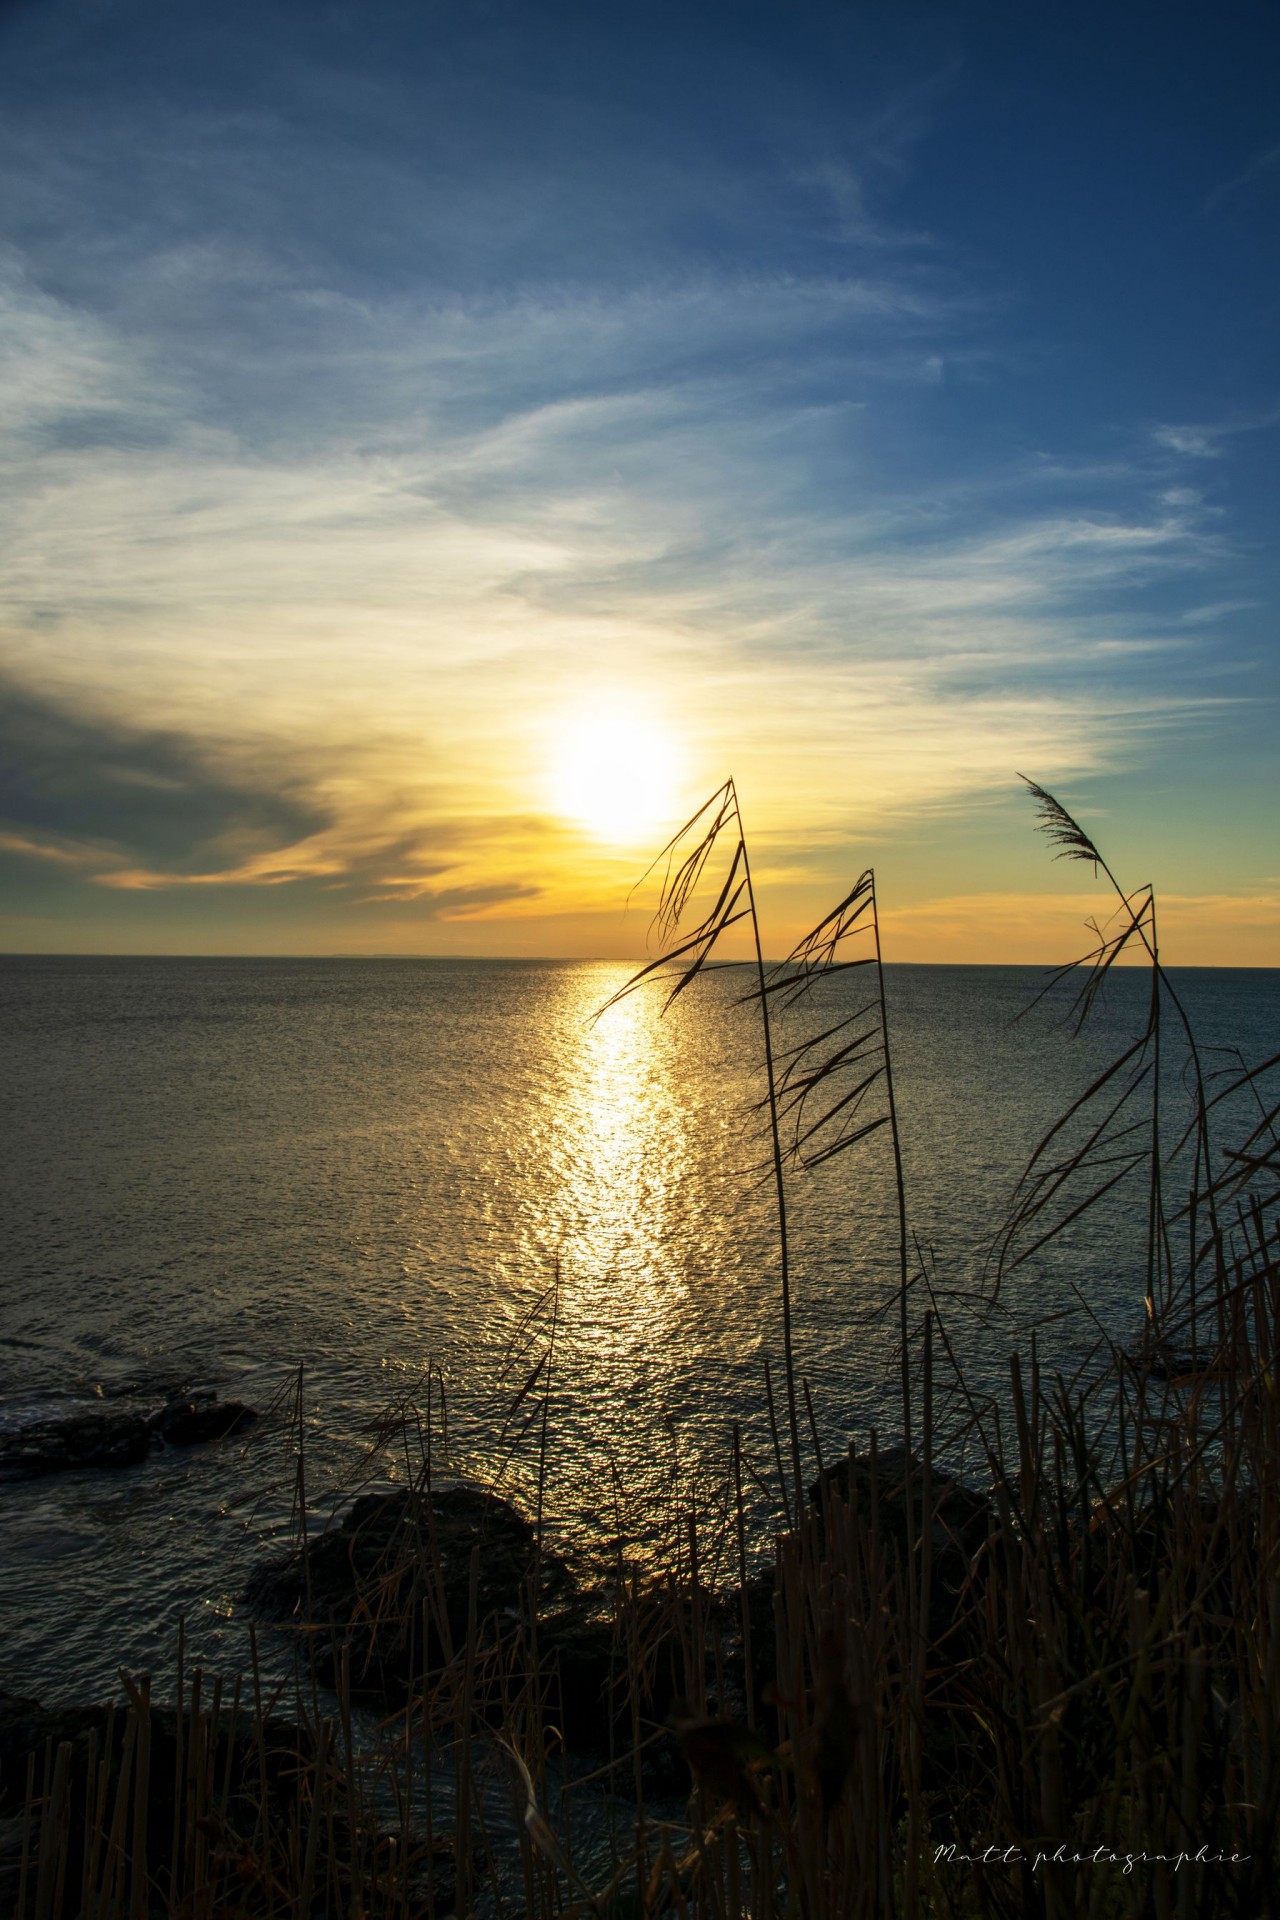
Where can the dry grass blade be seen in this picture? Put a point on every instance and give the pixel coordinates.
(539, 1828)
(683, 871)
(1135, 916)
(818, 953)
(685, 860)
(1258, 1153)
(1045, 1181)
(841, 1110)
(806, 1073)
(813, 1068)
(857, 1043)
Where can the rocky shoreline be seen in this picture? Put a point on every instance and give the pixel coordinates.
(407, 1578)
(420, 1594)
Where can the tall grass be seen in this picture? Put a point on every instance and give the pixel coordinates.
(1052, 1690)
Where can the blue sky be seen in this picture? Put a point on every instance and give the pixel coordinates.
(874, 399)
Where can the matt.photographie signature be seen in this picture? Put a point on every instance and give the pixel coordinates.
(1063, 1856)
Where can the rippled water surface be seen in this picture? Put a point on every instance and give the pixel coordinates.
(217, 1170)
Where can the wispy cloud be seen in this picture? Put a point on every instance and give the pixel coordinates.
(393, 615)
(1209, 441)
(1263, 171)
(1201, 443)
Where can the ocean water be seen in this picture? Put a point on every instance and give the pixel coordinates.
(382, 1172)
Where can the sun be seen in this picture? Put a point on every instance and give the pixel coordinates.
(613, 772)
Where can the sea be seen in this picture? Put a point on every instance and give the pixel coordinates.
(451, 1205)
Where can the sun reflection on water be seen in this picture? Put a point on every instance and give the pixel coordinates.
(616, 1153)
(624, 1126)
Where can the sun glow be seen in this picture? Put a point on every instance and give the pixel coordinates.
(613, 773)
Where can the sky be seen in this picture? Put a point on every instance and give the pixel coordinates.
(443, 439)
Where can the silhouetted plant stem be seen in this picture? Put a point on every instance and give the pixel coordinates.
(1155, 1210)
(825, 1092)
(775, 1141)
(900, 1185)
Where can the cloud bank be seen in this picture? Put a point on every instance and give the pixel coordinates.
(354, 429)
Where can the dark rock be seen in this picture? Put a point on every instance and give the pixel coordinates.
(959, 1515)
(191, 1422)
(393, 1580)
(107, 1439)
(1178, 1366)
(960, 1523)
(397, 1543)
(14, 1704)
(114, 1436)
(149, 1387)
(408, 1552)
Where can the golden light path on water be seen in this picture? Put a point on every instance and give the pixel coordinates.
(623, 1145)
(628, 1122)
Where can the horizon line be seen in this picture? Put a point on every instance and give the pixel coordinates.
(589, 960)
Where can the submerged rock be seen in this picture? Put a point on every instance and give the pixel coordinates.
(74, 1440)
(189, 1423)
(114, 1436)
